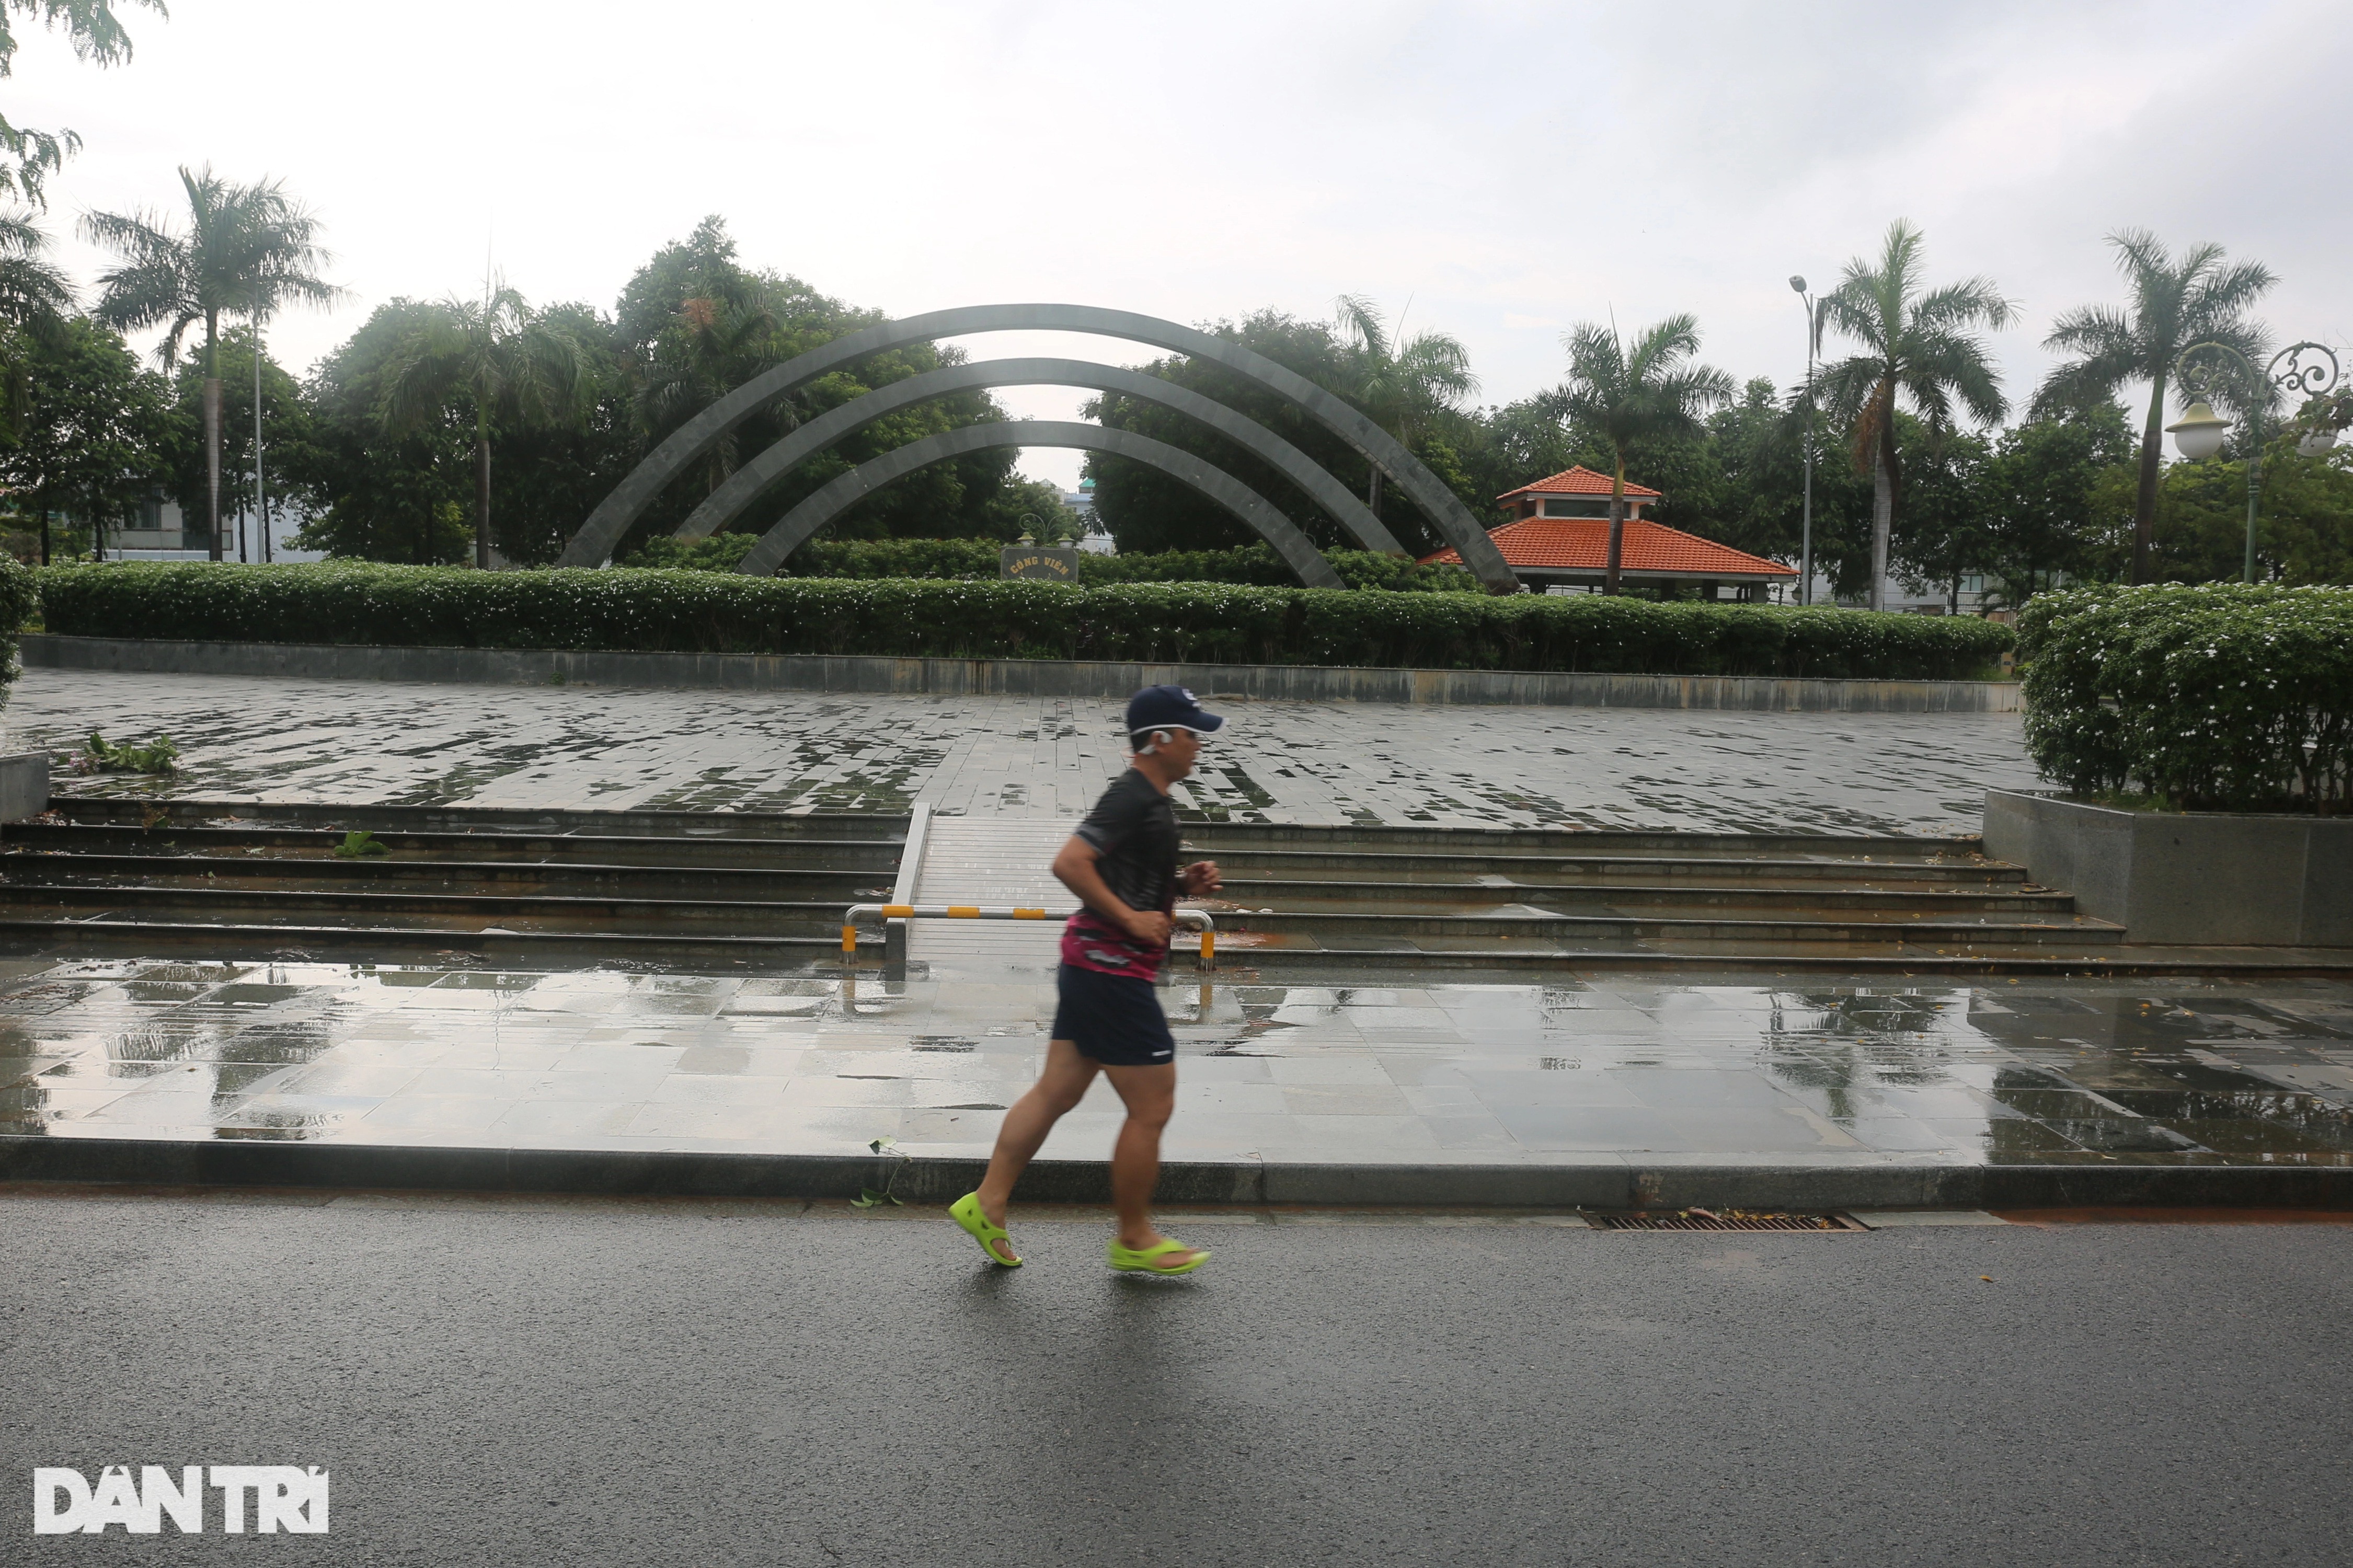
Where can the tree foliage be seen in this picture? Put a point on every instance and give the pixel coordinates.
(2177, 303)
(87, 445)
(289, 432)
(27, 156)
(1646, 389)
(1405, 385)
(695, 323)
(509, 365)
(1148, 511)
(247, 250)
(1913, 344)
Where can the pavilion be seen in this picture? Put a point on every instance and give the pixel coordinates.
(1559, 538)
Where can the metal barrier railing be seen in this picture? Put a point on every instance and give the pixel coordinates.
(1195, 919)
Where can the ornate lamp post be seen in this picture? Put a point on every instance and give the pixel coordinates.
(2306, 368)
(1805, 544)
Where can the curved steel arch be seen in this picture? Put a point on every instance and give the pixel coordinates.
(744, 485)
(594, 541)
(831, 499)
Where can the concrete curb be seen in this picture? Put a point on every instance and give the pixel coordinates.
(1601, 1181)
(1016, 677)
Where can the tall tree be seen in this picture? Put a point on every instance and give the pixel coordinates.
(2175, 304)
(2045, 518)
(94, 432)
(250, 250)
(1949, 513)
(694, 322)
(1402, 383)
(717, 343)
(510, 362)
(27, 157)
(1917, 345)
(1753, 499)
(369, 496)
(34, 298)
(291, 430)
(1648, 390)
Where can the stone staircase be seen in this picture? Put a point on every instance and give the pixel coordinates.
(565, 887)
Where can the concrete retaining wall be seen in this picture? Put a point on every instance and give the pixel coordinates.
(1018, 678)
(2206, 878)
(24, 785)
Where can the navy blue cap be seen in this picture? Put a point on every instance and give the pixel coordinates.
(1168, 707)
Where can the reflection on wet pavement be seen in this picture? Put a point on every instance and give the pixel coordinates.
(2089, 1071)
(1338, 763)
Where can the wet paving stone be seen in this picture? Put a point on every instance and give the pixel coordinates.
(1514, 1071)
(576, 747)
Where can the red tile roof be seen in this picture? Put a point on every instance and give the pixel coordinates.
(1582, 545)
(1577, 482)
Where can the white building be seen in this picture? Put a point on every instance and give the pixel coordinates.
(1092, 539)
(161, 533)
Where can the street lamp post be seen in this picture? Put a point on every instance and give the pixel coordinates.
(2199, 432)
(1806, 540)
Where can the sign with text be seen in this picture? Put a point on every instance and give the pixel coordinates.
(283, 1497)
(1039, 563)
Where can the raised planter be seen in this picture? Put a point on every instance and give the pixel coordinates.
(2185, 877)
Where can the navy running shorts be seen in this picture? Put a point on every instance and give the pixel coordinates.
(1113, 1019)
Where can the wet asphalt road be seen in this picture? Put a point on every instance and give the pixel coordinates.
(708, 1384)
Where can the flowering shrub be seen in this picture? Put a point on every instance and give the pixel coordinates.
(725, 612)
(18, 594)
(2225, 696)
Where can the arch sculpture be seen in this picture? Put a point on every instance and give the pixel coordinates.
(744, 485)
(611, 519)
(832, 499)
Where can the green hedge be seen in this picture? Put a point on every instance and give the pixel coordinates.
(19, 592)
(976, 559)
(2223, 696)
(718, 612)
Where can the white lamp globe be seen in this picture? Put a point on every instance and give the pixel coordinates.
(2315, 443)
(2199, 432)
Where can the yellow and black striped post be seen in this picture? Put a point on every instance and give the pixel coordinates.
(858, 914)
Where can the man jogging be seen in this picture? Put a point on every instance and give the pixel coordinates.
(1122, 864)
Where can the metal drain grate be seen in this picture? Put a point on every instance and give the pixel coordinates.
(1730, 1219)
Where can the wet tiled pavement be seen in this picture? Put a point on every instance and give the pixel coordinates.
(2038, 1073)
(283, 740)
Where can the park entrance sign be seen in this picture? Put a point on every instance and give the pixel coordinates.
(611, 521)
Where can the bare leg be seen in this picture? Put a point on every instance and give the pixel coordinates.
(1150, 1094)
(1062, 1086)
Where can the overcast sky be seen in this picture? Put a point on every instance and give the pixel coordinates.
(1510, 169)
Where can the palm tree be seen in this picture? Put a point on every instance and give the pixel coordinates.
(2175, 304)
(1917, 346)
(718, 344)
(248, 250)
(1401, 384)
(510, 362)
(1625, 393)
(35, 297)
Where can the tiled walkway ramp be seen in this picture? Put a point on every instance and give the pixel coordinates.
(990, 860)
